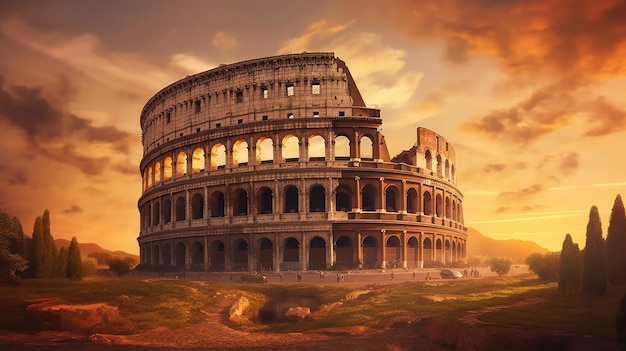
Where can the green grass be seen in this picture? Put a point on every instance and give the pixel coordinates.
(175, 303)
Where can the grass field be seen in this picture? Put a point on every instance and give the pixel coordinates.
(175, 303)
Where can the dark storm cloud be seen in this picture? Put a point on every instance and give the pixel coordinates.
(73, 209)
(45, 126)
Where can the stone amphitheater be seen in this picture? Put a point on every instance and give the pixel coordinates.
(278, 164)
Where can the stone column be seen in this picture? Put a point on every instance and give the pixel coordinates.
(207, 263)
(276, 254)
(420, 250)
(383, 248)
(403, 249)
(357, 208)
(404, 206)
(383, 197)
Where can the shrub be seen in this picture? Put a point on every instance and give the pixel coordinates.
(500, 265)
(544, 265)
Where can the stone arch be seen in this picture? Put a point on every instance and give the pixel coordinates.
(392, 198)
(453, 210)
(181, 208)
(452, 174)
(439, 250)
(366, 145)
(240, 259)
(197, 255)
(317, 253)
(181, 164)
(240, 203)
(266, 254)
(167, 211)
(291, 254)
(438, 205)
(428, 203)
(344, 252)
(264, 150)
(217, 255)
(156, 210)
(412, 253)
(370, 251)
(393, 252)
(167, 255)
(412, 204)
(343, 198)
(291, 199)
(240, 153)
(217, 204)
(148, 214)
(156, 259)
(447, 169)
(197, 160)
(290, 148)
(149, 177)
(317, 148)
(179, 256)
(218, 156)
(317, 199)
(157, 172)
(266, 201)
(342, 147)
(448, 250)
(197, 206)
(439, 166)
(368, 198)
(428, 250)
(429, 160)
(167, 168)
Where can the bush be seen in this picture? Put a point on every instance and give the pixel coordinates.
(121, 265)
(500, 265)
(545, 266)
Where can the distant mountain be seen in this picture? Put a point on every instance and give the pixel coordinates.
(518, 250)
(87, 248)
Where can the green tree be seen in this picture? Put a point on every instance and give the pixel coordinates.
(594, 258)
(121, 265)
(545, 265)
(500, 265)
(43, 253)
(60, 264)
(569, 266)
(74, 266)
(616, 244)
(12, 263)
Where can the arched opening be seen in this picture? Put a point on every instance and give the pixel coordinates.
(266, 255)
(448, 214)
(453, 210)
(157, 172)
(197, 206)
(429, 160)
(167, 168)
(291, 255)
(180, 209)
(149, 177)
(148, 215)
(217, 256)
(180, 256)
(412, 253)
(452, 175)
(439, 165)
(167, 211)
(367, 148)
(240, 153)
(317, 253)
(438, 251)
(181, 164)
(411, 201)
(317, 199)
(218, 156)
(342, 148)
(428, 250)
(197, 160)
(428, 203)
(447, 169)
(241, 255)
(393, 252)
(157, 256)
(265, 204)
(167, 255)
(344, 252)
(291, 199)
(391, 199)
(370, 252)
(265, 150)
(343, 198)
(217, 204)
(197, 256)
(368, 198)
(240, 205)
(438, 205)
(448, 251)
(156, 218)
(290, 148)
(317, 148)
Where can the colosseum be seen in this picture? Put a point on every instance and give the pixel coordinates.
(278, 164)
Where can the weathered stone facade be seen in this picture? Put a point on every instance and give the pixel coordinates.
(277, 163)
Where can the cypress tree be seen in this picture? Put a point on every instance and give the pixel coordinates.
(74, 269)
(568, 266)
(594, 260)
(616, 244)
(60, 264)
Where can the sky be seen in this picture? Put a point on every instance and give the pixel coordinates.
(531, 93)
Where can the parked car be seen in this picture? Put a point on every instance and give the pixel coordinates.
(450, 273)
(253, 278)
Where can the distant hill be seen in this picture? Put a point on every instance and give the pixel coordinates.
(87, 248)
(518, 250)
